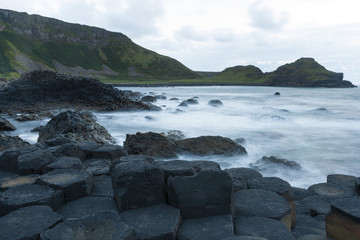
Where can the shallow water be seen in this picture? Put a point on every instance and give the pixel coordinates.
(318, 128)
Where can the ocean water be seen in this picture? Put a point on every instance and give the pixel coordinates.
(318, 128)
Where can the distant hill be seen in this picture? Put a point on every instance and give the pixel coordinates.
(304, 72)
(33, 42)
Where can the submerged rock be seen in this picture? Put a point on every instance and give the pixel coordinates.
(215, 103)
(266, 162)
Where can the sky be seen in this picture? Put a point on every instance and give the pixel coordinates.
(211, 35)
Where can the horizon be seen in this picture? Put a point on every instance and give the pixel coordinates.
(269, 34)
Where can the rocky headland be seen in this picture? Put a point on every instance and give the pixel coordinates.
(75, 183)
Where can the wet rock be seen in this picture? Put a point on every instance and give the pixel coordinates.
(63, 163)
(344, 220)
(148, 99)
(208, 193)
(15, 180)
(200, 165)
(9, 142)
(176, 168)
(266, 162)
(261, 203)
(190, 101)
(5, 125)
(27, 222)
(174, 99)
(87, 206)
(155, 222)
(262, 227)
(105, 225)
(183, 104)
(240, 176)
(77, 126)
(29, 195)
(151, 144)
(215, 103)
(277, 94)
(161, 97)
(342, 180)
(209, 145)
(331, 190)
(137, 184)
(34, 162)
(102, 187)
(74, 183)
(207, 228)
(111, 152)
(174, 135)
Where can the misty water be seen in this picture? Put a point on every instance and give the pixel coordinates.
(318, 128)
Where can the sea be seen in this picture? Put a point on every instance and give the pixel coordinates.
(318, 128)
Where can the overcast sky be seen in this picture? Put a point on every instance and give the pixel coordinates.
(210, 35)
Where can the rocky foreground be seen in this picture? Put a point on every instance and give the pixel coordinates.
(74, 183)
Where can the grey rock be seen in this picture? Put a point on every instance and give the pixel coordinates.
(313, 237)
(262, 227)
(137, 184)
(27, 223)
(174, 135)
(208, 193)
(34, 162)
(9, 142)
(176, 168)
(15, 180)
(342, 180)
(63, 163)
(273, 184)
(9, 158)
(97, 167)
(207, 228)
(86, 206)
(56, 141)
(111, 152)
(160, 222)
(102, 187)
(240, 177)
(266, 162)
(148, 99)
(70, 150)
(5, 125)
(317, 204)
(215, 103)
(357, 185)
(243, 238)
(305, 224)
(200, 165)
(300, 193)
(331, 190)
(74, 183)
(105, 225)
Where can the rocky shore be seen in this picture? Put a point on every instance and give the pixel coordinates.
(75, 183)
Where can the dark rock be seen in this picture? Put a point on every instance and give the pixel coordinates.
(300, 193)
(200, 165)
(88, 147)
(317, 204)
(34, 162)
(87, 206)
(105, 225)
(63, 163)
(306, 224)
(15, 180)
(152, 144)
(191, 101)
(240, 140)
(215, 103)
(342, 180)
(344, 220)
(174, 99)
(301, 208)
(70, 150)
(241, 175)
(132, 95)
(207, 228)
(8, 142)
(267, 162)
(74, 183)
(108, 151)
(176, 168)
(313, 237)
(174, 135)
(262, 227)
(243, 238)
(33, 116)
(209, 145)
(331, 190)
(137, 184)
(154, 222)
(277, 94)
(208, 193)
(97, 167)
(77, 126)
(130, 158)
(27, 222)
(161, 97)
(148, 99)
(102, 187)
(9, 158)
(261, 203)
(5, 125)
(149, 118)
(357, 185)
(273, 184)
(57, 141)
(183, 104)
(41, 91)
(37, 129)
(29, 195)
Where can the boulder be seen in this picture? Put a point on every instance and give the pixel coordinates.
(104, 225)
(208, 193)
(34, 162)
(176, 168)
(154, 222)
(207, 228)
(137, 184)
(262, 227)
(102, 187)
(209, 145)
(28, 195)
(241, 175)
(77, 126)
(148, 99)
(74, 183)
(27, 222)
(190, 101)
(111, 152)
(344, 220)
(215, 103)
(5, 125)
(15, 180)
(342, 180)
(162, 97)
(331, 190)
(261, 203)
(87, 206)
(9, 158)
(272, 161)
(63, 163)
(9, 142)
(199, 165)
(152, 144)
(70, 150)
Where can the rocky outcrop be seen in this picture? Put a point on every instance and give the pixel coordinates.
(5, 125)
(8, 142)
(42, 91)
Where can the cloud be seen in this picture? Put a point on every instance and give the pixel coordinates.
(263, 17)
